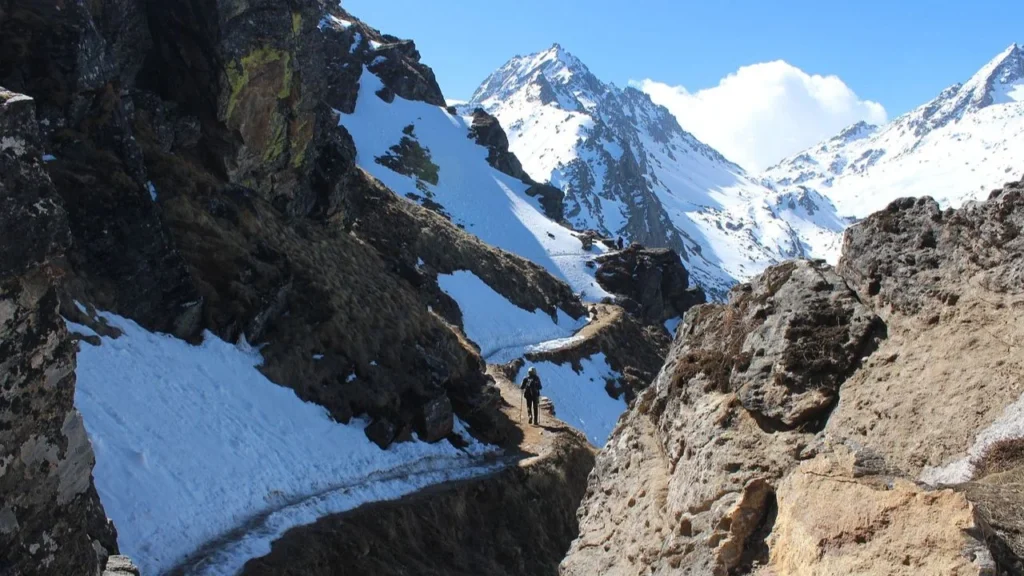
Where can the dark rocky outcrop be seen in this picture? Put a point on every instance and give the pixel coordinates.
(912, 253)
(486, 131)
(551, 199)
(51, 520)
(652, 282)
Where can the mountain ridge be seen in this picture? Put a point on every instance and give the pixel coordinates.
(628, 168)
(936, 149)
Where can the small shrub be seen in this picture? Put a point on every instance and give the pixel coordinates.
(1002, 456)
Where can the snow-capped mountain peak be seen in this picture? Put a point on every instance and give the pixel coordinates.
(551, 77)
(628, 168)
(968, 139)
(999, 81)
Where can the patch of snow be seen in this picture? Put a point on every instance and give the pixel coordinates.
(318, 356)
(332, 21)
(231, 558)
(490, 204)
(357, 40)
(501, 329)
(1008, 426)
(351, 378)
(580, 399)
(152, 191)
(551, 345)
(49, 157)
(193, 442)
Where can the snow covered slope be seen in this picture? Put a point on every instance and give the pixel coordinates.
(955, 148)
(193, 443)
(452, 175)
(627, 168)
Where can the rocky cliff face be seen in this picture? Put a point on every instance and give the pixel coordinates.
(51, 520)
(833, 421)
(181, 164)
(652, 282)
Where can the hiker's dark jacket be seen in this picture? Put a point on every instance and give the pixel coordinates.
(531, 386)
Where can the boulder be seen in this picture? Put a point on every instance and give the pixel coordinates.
(551, 199)
(811, 334)
(381, 432)
(120, 566)
(832, 523)
(653, 282)
(436, 419)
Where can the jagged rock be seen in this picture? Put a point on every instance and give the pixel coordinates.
(551, 199)
(487, 132)
(814, 333)
(99, 171)
(120, 566)
(51, 519)
(912, 253)
(381, 432)
(397, 63)
(436, 419)
(652, 280)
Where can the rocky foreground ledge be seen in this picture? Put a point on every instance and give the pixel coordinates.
(865, 419)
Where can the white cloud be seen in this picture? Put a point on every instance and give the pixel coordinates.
(765, 112)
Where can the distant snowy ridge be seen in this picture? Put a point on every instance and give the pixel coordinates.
(627, 168)
(955, 148)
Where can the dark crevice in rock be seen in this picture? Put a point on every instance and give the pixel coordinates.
(755, 548)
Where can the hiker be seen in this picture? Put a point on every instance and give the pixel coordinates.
(620, 243)
(531, 391)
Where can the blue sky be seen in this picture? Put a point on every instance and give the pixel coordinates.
(899, 53)
(757, 80)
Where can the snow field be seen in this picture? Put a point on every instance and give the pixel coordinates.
(502, 330)
(193, 442)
